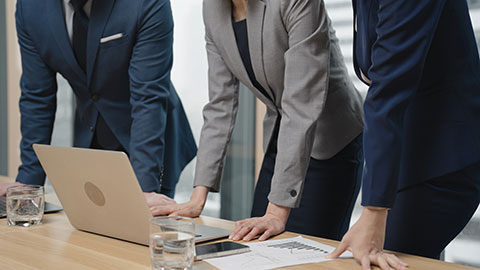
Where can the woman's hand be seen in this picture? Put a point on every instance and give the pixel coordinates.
(192, 208)
(272, 223)
(365, 240)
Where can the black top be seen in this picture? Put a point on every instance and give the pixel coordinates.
(241, 35)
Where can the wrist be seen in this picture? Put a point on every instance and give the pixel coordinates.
(199, 195)
(375, 210)
(18, 182)
(279, 211)
(375, 215)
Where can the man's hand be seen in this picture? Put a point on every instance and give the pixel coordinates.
(155, 199)
(192, 208)
(4, 186)
(365, 240)
(272, 223)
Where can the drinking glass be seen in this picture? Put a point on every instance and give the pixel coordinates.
(172, 243)
(25, 205)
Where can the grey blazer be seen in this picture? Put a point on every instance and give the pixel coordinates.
(296, 58)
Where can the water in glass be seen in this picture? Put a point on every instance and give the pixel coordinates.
(25, 209)
(171, 250)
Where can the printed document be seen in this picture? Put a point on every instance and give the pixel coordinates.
(276, 253)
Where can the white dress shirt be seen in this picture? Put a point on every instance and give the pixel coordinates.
(69, 11)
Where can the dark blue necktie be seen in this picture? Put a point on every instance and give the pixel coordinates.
(80, 31)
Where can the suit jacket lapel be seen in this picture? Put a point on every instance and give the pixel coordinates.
(98, 19)
(57, 24)
(230, 44)
(255, 18)
(231, 49)
(357, 67)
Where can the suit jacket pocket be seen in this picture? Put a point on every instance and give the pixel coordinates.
(115, 42)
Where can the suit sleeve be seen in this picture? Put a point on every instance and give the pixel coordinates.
(150, 86)
(219, 119)
(37, 104)
(305, 90)
(405, 30)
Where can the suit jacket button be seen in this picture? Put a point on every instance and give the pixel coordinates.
(91, 129)
(293, 193)
(95, 97)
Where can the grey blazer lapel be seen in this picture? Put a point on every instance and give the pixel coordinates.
(230, 44)
(231, 49)
(255, 18)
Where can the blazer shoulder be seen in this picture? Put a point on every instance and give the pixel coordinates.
(31, 12)
(29, 6)
(212, 4)
(212, 8)
(146, 5)
(289, 7)
(212, 11)
(152, 2)
(286, 5)
(34, 5)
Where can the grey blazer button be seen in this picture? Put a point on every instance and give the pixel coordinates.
(95, 97)
(91, 129)
(293, 193)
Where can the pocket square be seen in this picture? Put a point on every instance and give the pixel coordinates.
(110, 38)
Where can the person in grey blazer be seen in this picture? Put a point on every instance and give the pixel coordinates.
(287, 54)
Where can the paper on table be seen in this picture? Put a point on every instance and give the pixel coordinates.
(277, 253)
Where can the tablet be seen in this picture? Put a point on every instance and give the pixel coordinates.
(219, 250)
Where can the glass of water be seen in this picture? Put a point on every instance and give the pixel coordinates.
(25, 205)
(172, 243)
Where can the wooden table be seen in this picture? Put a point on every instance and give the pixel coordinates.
(55, 244)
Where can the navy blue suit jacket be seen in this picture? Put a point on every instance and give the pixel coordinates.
(422, 111)
(130, 75)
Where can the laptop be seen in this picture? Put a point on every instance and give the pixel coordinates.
(100, 193)
(49, 208)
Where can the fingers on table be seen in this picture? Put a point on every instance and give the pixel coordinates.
(248, 229)
(382, 262)
(387, 261)
(252, 234)
(366, 263)
(267, 234)
(242, 230)
(341, 248)
(395, 262)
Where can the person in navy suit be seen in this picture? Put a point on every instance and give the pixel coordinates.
(422, 127)
(116, 56)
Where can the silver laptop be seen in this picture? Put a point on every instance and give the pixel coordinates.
(100, 193)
